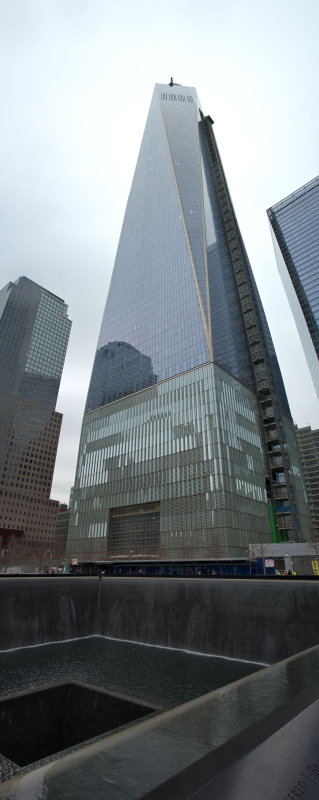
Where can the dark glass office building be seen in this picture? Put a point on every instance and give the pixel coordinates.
(186, 413)
(34, 334)
(295, 231)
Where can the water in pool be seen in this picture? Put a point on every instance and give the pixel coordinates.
(158, 675)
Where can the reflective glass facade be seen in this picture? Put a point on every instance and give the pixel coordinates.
(183, 295)
(295, 229)
(173, 298)
(175, 470)
(155, 304)
(34, 333)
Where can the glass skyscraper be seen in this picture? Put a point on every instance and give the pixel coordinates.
(295, 231)
(186, 413)
(34, 334)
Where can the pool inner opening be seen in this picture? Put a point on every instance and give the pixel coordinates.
(43, 722)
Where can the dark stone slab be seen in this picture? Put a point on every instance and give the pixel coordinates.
(276, 757)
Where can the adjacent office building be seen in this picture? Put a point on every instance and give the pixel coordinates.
(308, 443)
(34, 334)
(61, 532)
(294, 225)
(187, 446)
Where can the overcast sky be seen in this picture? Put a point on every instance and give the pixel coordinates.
(76, 80)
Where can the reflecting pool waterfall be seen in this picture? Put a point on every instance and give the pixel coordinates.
(253, 620)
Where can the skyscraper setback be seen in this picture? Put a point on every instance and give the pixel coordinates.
(186, 411)
(34, 334)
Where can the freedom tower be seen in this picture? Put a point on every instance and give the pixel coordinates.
(187, 446)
